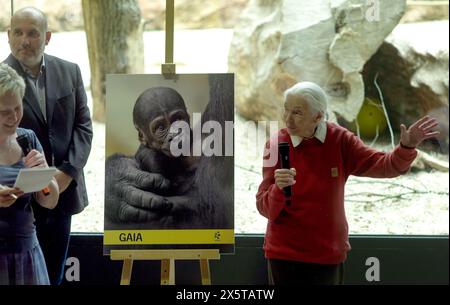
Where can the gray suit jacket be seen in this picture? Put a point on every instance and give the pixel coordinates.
(66, 136)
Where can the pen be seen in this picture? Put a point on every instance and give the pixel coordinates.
(4, 188)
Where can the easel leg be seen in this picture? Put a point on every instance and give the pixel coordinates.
(167, 272)
(204, 270)
(126, 272)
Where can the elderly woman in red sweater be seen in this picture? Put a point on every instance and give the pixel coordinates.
(307, 241)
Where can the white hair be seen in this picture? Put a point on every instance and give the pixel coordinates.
(312, 93)
(11, 81)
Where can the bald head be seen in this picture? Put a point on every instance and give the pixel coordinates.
(28, 36)
(31, 13)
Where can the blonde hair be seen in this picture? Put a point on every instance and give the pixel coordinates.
(11, 81)
(312, 93)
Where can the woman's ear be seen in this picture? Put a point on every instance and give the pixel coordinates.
(319, 117)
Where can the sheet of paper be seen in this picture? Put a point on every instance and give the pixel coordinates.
(34, 179)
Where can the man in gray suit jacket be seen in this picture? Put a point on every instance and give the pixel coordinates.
(55, 108)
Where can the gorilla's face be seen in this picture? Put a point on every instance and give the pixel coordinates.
(164, 129)
(157, 115)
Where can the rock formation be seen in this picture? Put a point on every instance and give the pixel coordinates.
(280, 42)
(412, 67)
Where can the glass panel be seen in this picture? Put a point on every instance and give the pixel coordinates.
(416, 203)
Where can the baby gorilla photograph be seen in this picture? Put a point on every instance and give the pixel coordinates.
(155, 179)
(155, 115)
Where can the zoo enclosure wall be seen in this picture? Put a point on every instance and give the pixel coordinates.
(404, 260)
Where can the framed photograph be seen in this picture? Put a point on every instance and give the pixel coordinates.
(169, 166)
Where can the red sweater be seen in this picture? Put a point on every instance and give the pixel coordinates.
(314, 227)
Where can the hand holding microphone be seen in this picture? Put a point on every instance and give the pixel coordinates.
(33, 158)
(285, 177)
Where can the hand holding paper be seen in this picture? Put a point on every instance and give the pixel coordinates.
(8, 196)
(34, 179)
(32, 157)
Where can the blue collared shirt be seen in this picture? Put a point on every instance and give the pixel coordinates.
(37, 83)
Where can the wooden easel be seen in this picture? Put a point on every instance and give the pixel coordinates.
(167, 258)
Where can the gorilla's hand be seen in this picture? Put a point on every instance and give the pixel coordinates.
(132, 194)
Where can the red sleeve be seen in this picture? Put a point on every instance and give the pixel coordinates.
(269, 199)
(362, 160)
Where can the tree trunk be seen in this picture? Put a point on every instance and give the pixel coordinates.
(115, 44)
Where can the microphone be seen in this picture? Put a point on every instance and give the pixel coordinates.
(25, 144)
(283, 149)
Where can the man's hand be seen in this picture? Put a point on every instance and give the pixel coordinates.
(63, 180)
(418, 132)
(284, 177)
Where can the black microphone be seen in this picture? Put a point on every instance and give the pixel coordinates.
(283, 149)
(25, 144)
